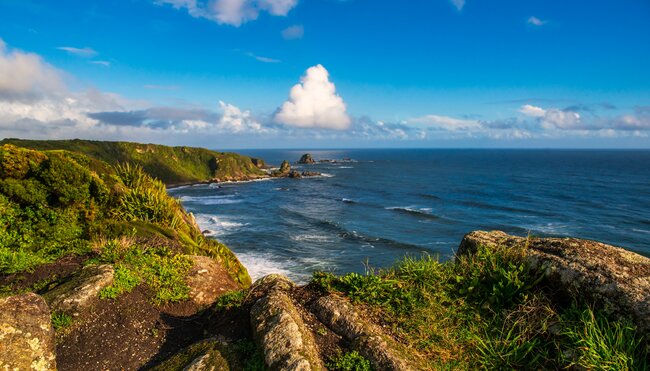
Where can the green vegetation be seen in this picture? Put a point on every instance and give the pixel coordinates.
(240, 355)
(351, 361)
(58, 203)
(61, 320)
(232, 299)
(487, 310)
(171, 165)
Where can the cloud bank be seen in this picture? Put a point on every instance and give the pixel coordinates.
(35, 102)
(232, 12)
(313, 103)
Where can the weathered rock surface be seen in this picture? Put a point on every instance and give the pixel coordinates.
(208, 280)
(366, 338)
(310, 173)
(306, 159)
(26, 334)
(205, 355)
(279, 329)
(611, 277)
(79, 293)
(283, 171)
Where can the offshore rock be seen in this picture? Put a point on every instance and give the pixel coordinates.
(78, 294)
(26, 334)
(615, 279)
(306, 159)
(279, 330)
(283, 171)
(295, 174)
(208, 280)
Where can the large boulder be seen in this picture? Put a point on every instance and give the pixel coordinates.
(283, 171)
(208, 280)
(367, 338)
(615, 279)
(279, 330)
(78, 294)
(306, 159)
(26, 334)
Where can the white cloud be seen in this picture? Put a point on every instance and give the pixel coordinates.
(532, 111)
(313, 103)
(235, 120)
(459, 4)
(293, 32)
(262, 59)
(27, 76)
(232, 12)
(536, 21)
(80, 52)
(554, 118)
(445, 123)
(101, 63)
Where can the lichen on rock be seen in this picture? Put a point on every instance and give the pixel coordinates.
(26, 334)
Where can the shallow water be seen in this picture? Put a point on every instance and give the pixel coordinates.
(395, 202)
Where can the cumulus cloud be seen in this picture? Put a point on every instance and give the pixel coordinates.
(536, 21)
(459, 4)
(293, 32)
(554, 118)
(313, 103)
(80, 52)
(232, 12)
(25, 76)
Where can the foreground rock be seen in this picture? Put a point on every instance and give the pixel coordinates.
(26, 334)
(611, 277)
(78, 294)
(279, 329)
(306, 159)
(208, 280)
(366, 338)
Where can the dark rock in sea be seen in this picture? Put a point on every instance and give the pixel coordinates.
(306, 159)
(285, 167)
(616, 280)
(310, 173)
(26, 334)
(295, 174)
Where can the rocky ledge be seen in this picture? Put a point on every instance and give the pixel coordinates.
(611, 278)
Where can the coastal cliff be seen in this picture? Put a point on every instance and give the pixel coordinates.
(101, 269)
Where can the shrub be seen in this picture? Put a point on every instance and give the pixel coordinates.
(351, 361)
(60, 320)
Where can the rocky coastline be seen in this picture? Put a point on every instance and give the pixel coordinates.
(142, 288)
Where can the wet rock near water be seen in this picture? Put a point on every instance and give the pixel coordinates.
(26, 334)
(306, 159)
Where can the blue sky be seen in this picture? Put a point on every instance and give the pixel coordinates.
(431, 73)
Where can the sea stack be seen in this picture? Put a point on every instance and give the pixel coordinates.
(306, 159)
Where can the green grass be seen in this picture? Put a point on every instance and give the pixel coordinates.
(61, 320)
(232, 299)
(159, 268)
(350, 361)
(485, 311)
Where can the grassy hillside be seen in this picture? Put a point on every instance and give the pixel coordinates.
(172, 165)
(59, 203)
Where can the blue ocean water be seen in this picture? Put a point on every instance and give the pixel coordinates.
(389, 203)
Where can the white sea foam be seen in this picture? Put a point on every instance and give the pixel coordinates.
(261, 264)
(217, 226)
(326, 175)
(640, 230)
(346, 167)
(211, 200)
(311, 238)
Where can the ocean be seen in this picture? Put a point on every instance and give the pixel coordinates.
(385, 204)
